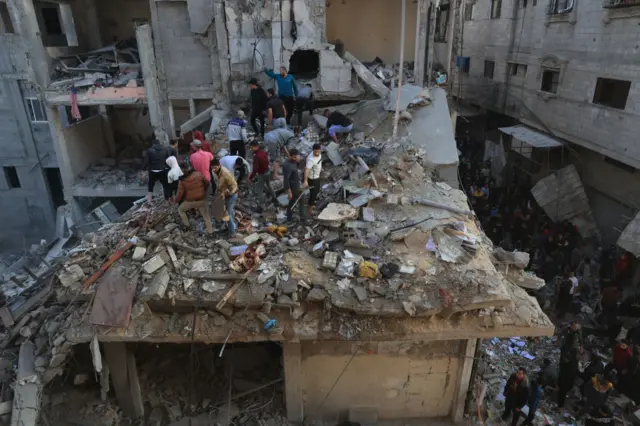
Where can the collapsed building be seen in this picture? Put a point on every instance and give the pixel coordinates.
(375, 311)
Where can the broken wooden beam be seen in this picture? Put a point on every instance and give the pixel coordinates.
(172, 244)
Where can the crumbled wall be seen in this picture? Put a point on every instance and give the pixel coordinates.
(85, 143)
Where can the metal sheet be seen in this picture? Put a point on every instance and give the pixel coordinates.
(114, 296)
(531, 137)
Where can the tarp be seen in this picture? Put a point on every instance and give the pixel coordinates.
(531, 137)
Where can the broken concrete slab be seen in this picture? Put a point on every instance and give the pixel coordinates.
(71, 275)
(337, 212)
(368, 214)
(156, 262)
(212, 286)
(317, 295)
(138, 253)
(28, 389)
(361, 292)
(363, 72)
(409, 95)
(334, 154)
(158, 285)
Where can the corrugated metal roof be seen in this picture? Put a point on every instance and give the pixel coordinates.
(531, 137)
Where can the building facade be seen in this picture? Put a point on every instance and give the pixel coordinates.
(144, 69)
(565, 68)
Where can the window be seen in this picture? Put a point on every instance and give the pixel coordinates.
(11, 176)
(550, 79)
(442, 20)
(496, 5)
(36, 111)
(468, 11)
(51, 20)
(560, 6)
(6, 24)
(517, 70)
(612, 93)
(488, 69)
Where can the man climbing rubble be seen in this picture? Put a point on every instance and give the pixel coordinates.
(237, 165)
(292, 185)
(337, 123)
(287, 89)
(276, 111)
(237, 135)
(192, 193)
(277, 140)
(261, 174)
(259, 100)
(312, 170)
(155, 164)
(227, 187)
(516, 393)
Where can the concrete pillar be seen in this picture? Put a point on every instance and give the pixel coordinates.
(124, 375)
(422, 41)
(107, 130)
(222, 43)
(462, 382)
(26, 23)
(156, 100)
(64, 159)
(26, 398)
(292, 359)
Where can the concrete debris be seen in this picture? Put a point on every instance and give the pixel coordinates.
(155, 263)
(410, 96)
(336, 212)
(158, 285)
(71, 275)
(367, 76)
(360, 292)
(138, 253)
(211, 286)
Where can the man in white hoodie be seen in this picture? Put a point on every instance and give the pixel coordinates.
(237, 134)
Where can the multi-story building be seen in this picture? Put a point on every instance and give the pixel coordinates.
(563, 68)
(140, 69)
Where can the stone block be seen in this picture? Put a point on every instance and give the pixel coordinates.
(71, 275)
(159, 284)
(138, 253)
(253, 238)
(156, 262)
(330, 260)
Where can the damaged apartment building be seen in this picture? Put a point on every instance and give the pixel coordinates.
(86, 85)
(553, 82)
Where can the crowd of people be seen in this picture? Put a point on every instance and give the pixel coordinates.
(579, 273)
(187, 174)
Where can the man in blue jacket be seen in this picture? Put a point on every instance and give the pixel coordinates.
(287, 89)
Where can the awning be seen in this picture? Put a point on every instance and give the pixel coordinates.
(531, 137)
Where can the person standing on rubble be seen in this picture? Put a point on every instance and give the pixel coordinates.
(200, 160)
(261, 174)
(337, 123)
(571, 346)
(535, 397)
(276, 141)
(312, 170)
(287, 89)
(292, 185)
(154, 163)
(228, 188)
(259, 100)
(304, 101)
(192, 191)
(237, 135)
(516, 393)
(276, 111)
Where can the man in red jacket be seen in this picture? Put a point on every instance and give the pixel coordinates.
(262, 174)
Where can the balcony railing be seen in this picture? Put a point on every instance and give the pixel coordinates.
(614, 4)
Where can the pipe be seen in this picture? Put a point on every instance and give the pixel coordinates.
(402, 30)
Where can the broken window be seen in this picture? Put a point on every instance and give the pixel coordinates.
(496, 6)
(612, 93)
(442, 20)
(56, 24)
(11, 176)
(468, 11)
(517, 70)
(305, 63)
(35, 110)
(6, 25)
(550, 80)
(560, 6)
(489, 66)
(52, 24)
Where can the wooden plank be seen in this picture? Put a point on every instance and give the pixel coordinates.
(114, 297)
(292, 357)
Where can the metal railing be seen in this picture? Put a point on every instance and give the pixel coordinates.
(614, 4)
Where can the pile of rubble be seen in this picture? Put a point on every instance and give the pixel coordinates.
(389, 74)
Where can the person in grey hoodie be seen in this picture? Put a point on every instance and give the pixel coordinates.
(276, 141)
(237, 134)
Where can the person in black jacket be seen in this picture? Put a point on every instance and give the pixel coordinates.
(155, 162)
(516, 393)
(337, 123)
(258, 105)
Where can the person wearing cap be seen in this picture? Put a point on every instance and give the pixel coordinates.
(291, 181)
(262, 175)
(287, 89)
(259, 100)
(276, 111)
(200, 160)
(228, 188)
(237, 134)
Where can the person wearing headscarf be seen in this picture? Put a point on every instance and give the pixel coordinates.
(173, 176)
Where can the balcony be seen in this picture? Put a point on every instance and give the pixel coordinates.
(616, 4)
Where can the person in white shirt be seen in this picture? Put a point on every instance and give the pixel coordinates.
(236, 164)
(312, 171)
(574, 283)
